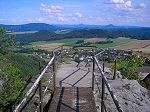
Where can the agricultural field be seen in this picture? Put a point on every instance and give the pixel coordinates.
(49, 45)
(25, 32)
(94, 40)
(136, 45)
(118, 43)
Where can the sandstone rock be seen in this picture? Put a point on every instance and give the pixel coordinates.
(131, 95)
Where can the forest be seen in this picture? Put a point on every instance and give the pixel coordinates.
(16, 69)
(45, 35)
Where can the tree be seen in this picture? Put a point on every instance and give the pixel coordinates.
(77, 59)
(80, 41)
(128, 65)
(6, 41)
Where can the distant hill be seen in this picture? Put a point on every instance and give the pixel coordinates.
(45, 35)
(45, 32)
(30, 27)
(55, 27)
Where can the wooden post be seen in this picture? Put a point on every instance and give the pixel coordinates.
(41, 97)
(103, 92)
(115, 69)
(40, 92)
(54, 74)
(61, 54)
(93, 75)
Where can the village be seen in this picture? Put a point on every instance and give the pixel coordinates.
(84, 54)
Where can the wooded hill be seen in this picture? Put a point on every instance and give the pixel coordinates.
(15, 71)
(45, 35)
(46, 32)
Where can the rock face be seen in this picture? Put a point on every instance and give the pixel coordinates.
(131, 95)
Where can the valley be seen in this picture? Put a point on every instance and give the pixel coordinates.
(118, 43)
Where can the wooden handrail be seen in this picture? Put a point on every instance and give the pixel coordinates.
(105, 82)
(34, 86)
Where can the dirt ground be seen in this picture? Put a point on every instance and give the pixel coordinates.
(137, 45)
(93, 40)
(51, 46)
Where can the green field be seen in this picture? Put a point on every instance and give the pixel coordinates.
(64, 41)
(116, 42)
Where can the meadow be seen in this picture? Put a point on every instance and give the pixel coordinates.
(118, 43)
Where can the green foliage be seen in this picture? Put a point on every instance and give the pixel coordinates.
(14, 78)
(104, 42)
(12, 85)
(77, 59)
(15, 70)
(29, 65)
(6, 41)
(1, 57)
(80, 41)
(15, 74)
(128, 65)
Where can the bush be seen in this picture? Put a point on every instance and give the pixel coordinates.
(80, 41)
(15, 74)
(128, 65)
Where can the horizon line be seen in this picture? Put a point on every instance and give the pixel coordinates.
(76, 24)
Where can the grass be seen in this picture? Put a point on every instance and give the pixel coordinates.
(64, 41)
(116, 42)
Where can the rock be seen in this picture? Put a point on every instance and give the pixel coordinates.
(131, 95)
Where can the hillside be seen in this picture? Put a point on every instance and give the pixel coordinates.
(54, 27)
(29, 27)
(45, 35)
(15, 71)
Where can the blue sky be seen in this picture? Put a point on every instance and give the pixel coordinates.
(101, 12)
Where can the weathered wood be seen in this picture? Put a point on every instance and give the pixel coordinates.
(34, 86)
(54, 74)
(41, 97)
(93, 75)
(73, 99)
(115, 69)
(61, 54)
(49, 82)
(108, 86)
(100, 53)
(103, 93)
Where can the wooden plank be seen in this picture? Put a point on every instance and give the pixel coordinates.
(73, 99)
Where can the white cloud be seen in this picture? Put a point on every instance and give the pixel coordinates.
(58, 13)
(126, 5)
(51, 9)
(62, 19)
(77, 14)
(117, 1)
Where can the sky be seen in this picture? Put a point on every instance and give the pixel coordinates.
(99, 12)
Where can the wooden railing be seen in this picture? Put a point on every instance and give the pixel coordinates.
(38, 85)
(105, 83)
